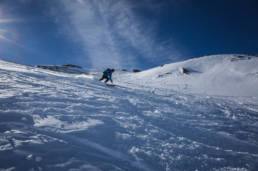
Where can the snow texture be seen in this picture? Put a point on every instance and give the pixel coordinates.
(201, 114)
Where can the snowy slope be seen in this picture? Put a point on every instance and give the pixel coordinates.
(58, 121)
(227, 75)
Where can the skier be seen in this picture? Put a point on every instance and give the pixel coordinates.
(107, 74)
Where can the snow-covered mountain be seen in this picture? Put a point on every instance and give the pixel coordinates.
(228, 75)
(201, 114)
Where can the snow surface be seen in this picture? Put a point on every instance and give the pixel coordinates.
(159, 119)
(227, 75)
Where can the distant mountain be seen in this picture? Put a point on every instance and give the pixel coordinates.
(69, 68)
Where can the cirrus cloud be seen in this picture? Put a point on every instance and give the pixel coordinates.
(112, 34)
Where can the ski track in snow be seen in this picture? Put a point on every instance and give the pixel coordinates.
(57, 121)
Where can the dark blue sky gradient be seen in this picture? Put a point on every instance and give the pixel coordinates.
(43, 32)
(213, 27)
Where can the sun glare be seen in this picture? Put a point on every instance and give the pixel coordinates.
(5, 33)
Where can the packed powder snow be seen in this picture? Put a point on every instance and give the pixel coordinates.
(201, 114)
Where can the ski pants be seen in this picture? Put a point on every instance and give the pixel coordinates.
(104, 77)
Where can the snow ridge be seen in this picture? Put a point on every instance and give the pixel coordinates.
(224, 75)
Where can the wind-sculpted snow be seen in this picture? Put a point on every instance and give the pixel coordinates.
(57, 121)
(230, 75)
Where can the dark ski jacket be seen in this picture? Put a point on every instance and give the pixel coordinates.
(108, 74)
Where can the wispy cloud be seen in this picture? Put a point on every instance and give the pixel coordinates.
(113, 35)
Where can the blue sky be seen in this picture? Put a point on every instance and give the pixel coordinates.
(125, 33)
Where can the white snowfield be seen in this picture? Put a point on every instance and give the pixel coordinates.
(226, 75)
(201, 114)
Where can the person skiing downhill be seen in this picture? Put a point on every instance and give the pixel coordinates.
(107, 74)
